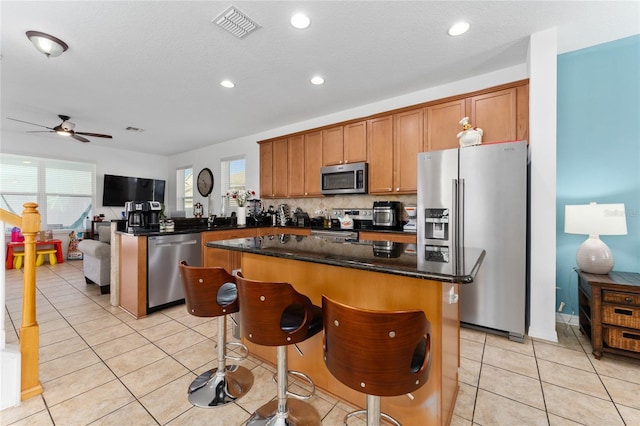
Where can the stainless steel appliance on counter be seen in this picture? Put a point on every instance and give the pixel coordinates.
(164, 286)
(362, 218)
(386, 215)
(477, 197)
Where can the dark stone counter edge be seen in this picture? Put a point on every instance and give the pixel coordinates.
(148, 233)
(354, 264)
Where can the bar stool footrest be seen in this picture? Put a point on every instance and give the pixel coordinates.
(305, 378)
(359, 412)
(243, 348)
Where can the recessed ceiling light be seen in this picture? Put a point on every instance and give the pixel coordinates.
(317, 80)
(300, 21)
(459, 28)
(227, 83)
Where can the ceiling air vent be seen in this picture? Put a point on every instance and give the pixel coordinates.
(236, 22)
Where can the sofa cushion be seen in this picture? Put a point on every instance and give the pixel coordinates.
(104, 234)
(95, 248)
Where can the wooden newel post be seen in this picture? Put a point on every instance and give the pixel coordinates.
(29, 331)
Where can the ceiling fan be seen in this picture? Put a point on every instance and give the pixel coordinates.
(66, 129)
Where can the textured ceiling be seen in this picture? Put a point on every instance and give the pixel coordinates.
(157, 65)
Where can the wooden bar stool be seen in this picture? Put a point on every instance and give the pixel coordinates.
(275, 314)
(212, 292)
(52, 256)
(379, 353)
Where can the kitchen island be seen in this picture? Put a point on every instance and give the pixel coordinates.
(371, 275)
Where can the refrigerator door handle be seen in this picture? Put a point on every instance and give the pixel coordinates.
(460, 217)
(453, 217)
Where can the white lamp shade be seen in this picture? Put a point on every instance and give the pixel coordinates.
(595, 219)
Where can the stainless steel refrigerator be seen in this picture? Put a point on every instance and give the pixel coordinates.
(477, 197)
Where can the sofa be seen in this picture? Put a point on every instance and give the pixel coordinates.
(96, 255)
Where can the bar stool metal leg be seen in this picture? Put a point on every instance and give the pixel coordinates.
(284, 411)
(222, 385)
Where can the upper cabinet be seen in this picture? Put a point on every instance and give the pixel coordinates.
(408, 141)
(442, 124)
(380, 151)
(389, 142)
(355, 142)
(304, 162)
(296, 166)
(312, 163)
(274, 169)
(495, 114)
(344, 144)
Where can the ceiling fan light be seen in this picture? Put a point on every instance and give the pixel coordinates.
(47, 44)
(63, 132)
(67, 125)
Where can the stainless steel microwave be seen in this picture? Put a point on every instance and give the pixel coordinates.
(344, 179)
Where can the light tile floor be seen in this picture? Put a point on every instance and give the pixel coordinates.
(100, 366)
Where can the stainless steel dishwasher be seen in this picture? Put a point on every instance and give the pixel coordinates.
(164, 285)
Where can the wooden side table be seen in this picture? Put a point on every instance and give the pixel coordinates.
(609, 312)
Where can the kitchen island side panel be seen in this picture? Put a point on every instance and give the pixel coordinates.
(434, 402)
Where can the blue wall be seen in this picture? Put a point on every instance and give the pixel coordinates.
(598, 148)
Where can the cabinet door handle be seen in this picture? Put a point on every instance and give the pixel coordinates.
(631, 336)
(628, 299)
(623, 311)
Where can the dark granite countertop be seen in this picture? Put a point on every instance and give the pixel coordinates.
(376, 256)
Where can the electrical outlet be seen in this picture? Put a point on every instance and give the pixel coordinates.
(561, 306)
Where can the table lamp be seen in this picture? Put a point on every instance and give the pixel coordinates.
(594, 219)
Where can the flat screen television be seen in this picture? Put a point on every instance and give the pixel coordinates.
(118, 190)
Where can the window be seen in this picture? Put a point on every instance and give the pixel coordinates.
(64, 190)
(232, 177)
(184, 189)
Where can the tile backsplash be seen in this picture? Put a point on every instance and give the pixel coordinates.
(312, 205)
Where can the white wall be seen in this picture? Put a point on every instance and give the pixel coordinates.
(107, 160)
(542, 129)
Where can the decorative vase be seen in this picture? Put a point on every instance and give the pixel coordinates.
(242, 215)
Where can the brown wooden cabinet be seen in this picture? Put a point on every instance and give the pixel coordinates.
(344, 144)
(609, 312)
(390, 141)
(355, 142)
(442, 124)
(296, 165)
(394, 142)
(266, 169)
(304, 162)
(380, 154)
(312, 163)
(408, 142)
(495, 114)
(274, 169)
(395, 237)
(333, 146)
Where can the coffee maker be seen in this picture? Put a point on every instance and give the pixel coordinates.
(134, 211)
(142, 215)
(154, 208)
